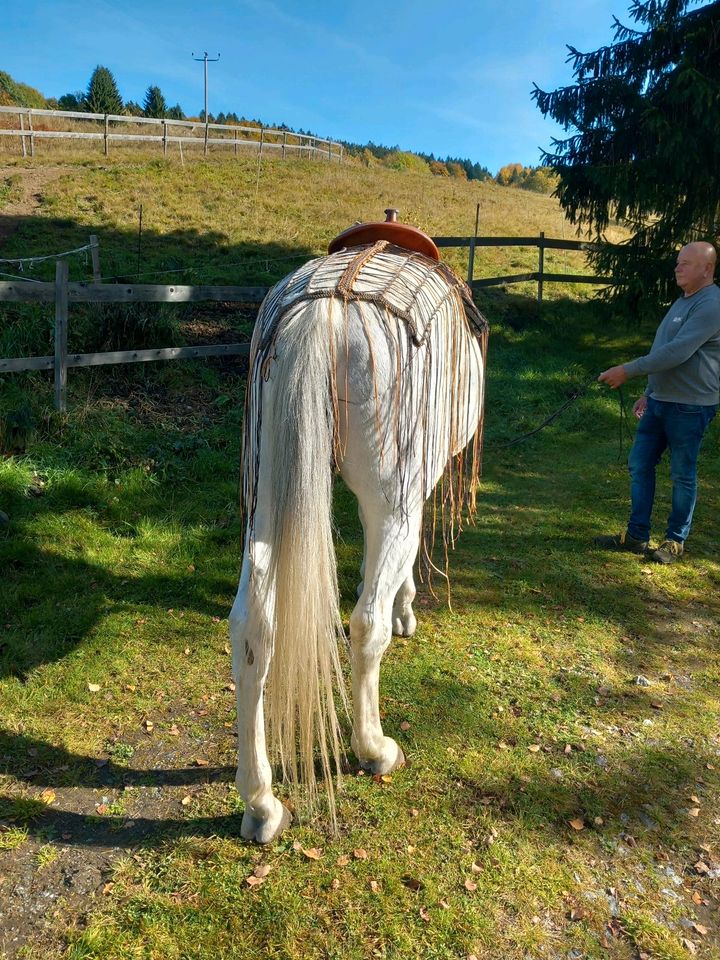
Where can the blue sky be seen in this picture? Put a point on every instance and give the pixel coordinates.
(449, 79)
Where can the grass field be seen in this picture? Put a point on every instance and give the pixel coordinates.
(561, 721)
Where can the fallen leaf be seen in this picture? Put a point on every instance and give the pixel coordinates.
(568, 748)
(48, 796)
(689, 945)
(694, 812)
(656, 705)
(696, 898)
(424, 915)
(313, 853)
(414, 812)
(598, 821)
(173, 731)
(148, 726)
(412, 883)
(130, 687)
(476, 868)
(191, 567)
(226, 648)
(374, 886)
(253, 881)
(443, 904)
(107, 888)
(694, 799)
(360, 854)
(199, 762)
(102, 808)
(261, 871)
(470, 885)
(186, 651)
(411, 849)
(577, 823)
(230, 687)
(405, 725)
(94, 687)
(186, 801)
(699, 928)
(534, 747)
(577, 913)
(343, 860)
(335, 883)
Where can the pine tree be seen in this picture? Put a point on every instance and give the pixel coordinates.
(102, 94)
(154, 104)
(175, 113)
(646, 151)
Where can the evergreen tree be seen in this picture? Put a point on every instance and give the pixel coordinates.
(645, 111)
(102, 94)
(175, 113)
(133, 109)
(72, 101)
(154, 104)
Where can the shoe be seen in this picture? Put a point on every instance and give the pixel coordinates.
(668, 552)
(621, 541)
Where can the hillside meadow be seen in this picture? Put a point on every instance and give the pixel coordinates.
(560, 718)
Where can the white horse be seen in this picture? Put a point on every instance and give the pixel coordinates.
(369, 361)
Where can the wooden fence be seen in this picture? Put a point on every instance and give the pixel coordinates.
(184, 133)
(62, 293)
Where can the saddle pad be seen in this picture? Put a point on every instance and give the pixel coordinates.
(410, 285)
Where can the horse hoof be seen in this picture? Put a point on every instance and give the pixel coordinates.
(393, 759)
(404, 625)
(268, 829)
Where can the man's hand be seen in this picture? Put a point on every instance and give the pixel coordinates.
(640, 406)
(614, 377)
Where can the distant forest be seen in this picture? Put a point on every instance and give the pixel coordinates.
(102, 95)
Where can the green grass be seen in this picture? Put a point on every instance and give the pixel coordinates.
(119, 565)
(122, 572)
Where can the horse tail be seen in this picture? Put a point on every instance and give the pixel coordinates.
(292, 412)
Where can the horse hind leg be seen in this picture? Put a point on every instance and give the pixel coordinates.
(390, 547)
(265, 817)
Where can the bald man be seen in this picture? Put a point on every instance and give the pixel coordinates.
(681, 398)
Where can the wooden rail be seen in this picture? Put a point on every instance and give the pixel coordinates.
(539, 276)
(269, 138)
(63, 293)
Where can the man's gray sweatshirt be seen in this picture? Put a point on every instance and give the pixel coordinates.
(683, 365)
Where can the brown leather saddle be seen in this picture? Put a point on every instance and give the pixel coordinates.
(399, 234)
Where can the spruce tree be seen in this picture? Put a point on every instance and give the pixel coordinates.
(154, 104)
(644, 149)
(102, 94)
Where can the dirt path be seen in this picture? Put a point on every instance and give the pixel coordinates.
(28, 184)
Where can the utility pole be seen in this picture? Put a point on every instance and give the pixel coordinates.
(205, 60)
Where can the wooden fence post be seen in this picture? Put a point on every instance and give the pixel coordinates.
(164, 138)
(61, 325)
(541, 265)
(32, 135)
(22, 135)
(284, 143)
(107, 137)
(236, 142)
(95, 255)
(471, 253)
(262, 139)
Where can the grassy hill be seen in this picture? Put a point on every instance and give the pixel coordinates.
(561, 721)
(210, 215)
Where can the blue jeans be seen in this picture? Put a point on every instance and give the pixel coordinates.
(679, 426)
